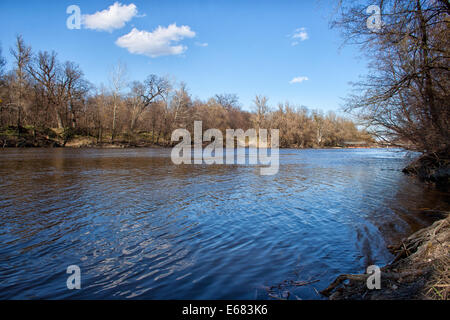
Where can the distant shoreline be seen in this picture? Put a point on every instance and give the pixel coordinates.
(85, 142)
(119, 145)
(31, 137)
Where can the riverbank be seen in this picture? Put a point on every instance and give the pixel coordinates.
(433, 168)
(30, 137)
(421, 270)
(60, 138)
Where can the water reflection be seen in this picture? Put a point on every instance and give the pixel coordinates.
(141, 227)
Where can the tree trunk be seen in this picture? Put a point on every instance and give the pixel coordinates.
(113, 134)
(59, 121)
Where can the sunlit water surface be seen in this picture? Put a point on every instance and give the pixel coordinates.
(140, 227)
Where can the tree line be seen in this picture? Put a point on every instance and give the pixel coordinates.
(43, 95)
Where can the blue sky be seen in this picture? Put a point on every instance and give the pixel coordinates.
(244, 47)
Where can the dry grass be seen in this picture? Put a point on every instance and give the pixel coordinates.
(433, 248)
(439, 285)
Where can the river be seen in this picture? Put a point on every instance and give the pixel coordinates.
(140, 227)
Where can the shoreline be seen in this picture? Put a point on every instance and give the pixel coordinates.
(419, 271)
(57, 138)
(421, 267)
(156, 146)
(83, 144)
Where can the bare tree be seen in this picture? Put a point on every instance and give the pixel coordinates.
(76, 88)
(135, 103)
(22, 57)
(320, 123)
(3, 86)
(144, 95)
(118, 82)
(2, 64)
(405, 98)
(46, 71)
(181, 104)
(228, 101)
(261, 109)
(155, 88)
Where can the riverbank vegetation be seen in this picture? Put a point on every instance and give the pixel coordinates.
(405, 97)
(405, 100)
(45, 102)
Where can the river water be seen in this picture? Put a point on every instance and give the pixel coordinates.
(140, 227)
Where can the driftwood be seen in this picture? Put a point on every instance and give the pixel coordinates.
(363, 277)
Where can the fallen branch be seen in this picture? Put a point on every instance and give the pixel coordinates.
(363, 277)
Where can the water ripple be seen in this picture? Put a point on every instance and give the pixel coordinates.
(141, 228)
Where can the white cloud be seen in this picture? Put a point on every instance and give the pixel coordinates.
(300, 34)
(115, 17)
(161, 42)
(200, 44)
(299, 80)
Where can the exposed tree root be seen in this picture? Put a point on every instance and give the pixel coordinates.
(421, 270)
